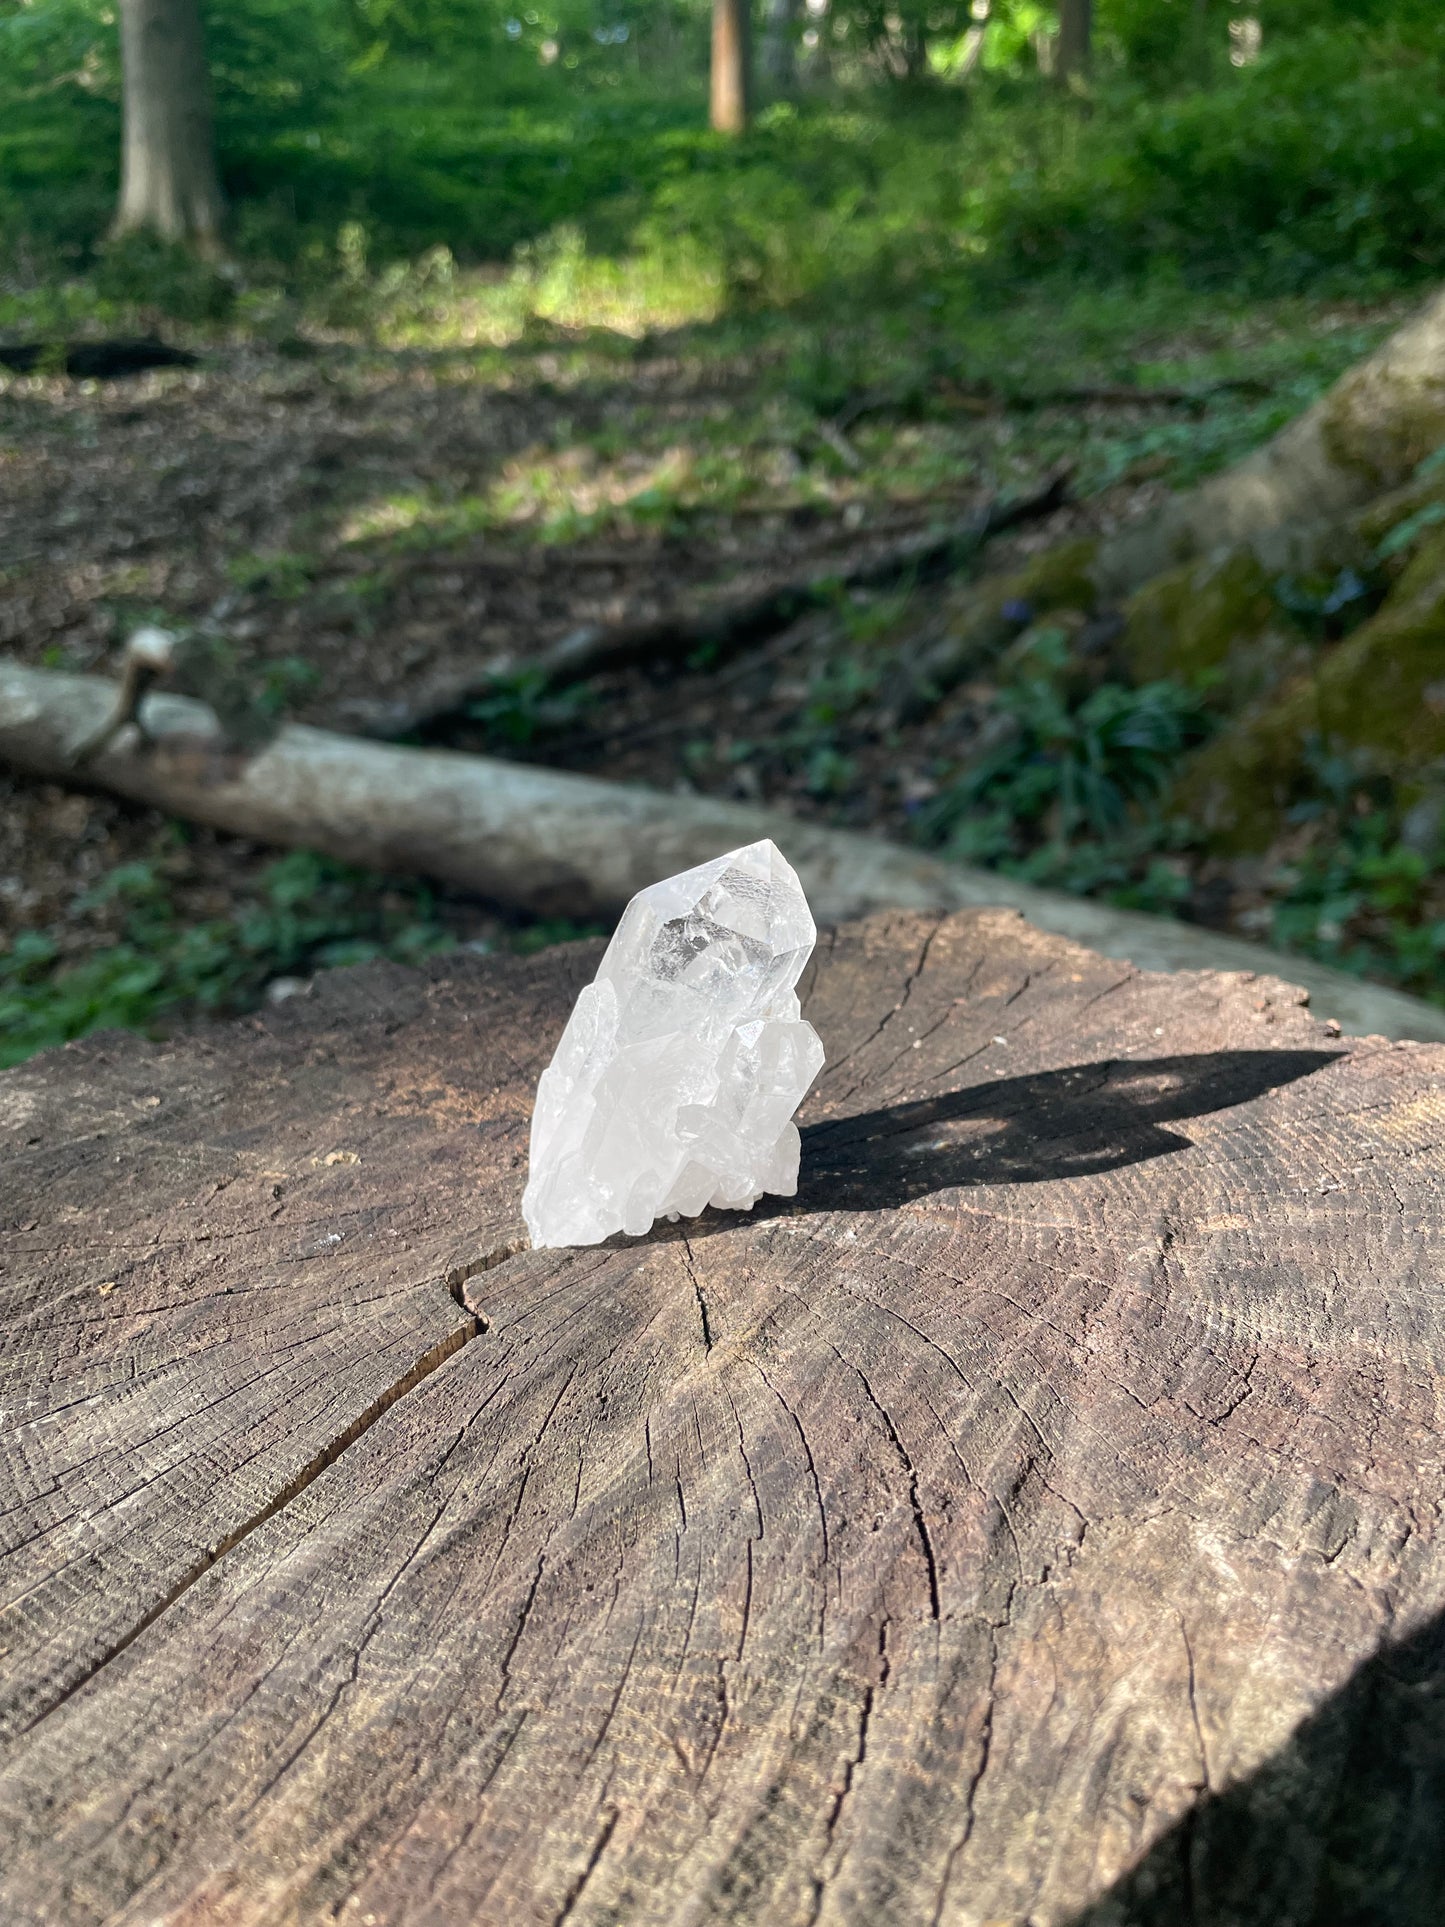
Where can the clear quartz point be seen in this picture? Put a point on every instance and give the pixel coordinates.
(676, 1080)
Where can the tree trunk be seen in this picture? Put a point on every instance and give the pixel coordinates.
(1037, 1518)
(780, 62)
(1366, 436)
(169, 184)
(1194, 592)
(1076, 27)
(731, 65)
(975, 38)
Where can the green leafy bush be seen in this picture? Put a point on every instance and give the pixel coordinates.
(434, 125)
(1328, 154)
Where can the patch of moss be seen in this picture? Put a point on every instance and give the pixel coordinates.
(1237, 788)
(1206, 617)
(1059, 578)
(1384, 687)
(1381, 691)
(989, 614)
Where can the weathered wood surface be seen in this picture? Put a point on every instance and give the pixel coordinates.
(1036, 1520)
(219, 1259)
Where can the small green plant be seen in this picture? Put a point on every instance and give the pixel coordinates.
(844, 685)
(830, 772)
(309, 913)
(524, 705)
(280, 573)
(1367, 892)
(1065, 770)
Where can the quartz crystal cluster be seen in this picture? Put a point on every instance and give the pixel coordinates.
(677, 1076)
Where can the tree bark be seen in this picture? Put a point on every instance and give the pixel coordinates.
(169, 184)
(1076, 28)
(975, 38)
(731, 66)
(569, 845)
(1051, 1487)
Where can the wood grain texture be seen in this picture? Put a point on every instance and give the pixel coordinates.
(217, 1260)
(1012, 1528)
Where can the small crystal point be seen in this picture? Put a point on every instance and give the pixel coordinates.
(676, 1080)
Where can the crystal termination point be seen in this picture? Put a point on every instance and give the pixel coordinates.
(676, 1080)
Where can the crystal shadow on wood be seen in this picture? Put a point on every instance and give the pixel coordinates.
(1073, 1122)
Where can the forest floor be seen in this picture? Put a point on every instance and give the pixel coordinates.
(364, 515)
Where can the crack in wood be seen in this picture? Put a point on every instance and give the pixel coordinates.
(915, 1502)
(599, 1847)
(421, 1368)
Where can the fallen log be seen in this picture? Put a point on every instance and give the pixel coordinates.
(560, 844)
(1037, 1519)
(720, 626)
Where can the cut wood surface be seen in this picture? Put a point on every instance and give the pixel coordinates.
(566, 845)
(217, 1259)
(1035, 1521)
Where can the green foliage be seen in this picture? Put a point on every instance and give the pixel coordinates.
(309, 914)
(549, 930)
(1328, 608)
(524, 705)
(911, 247)
(1403, 535)
(1072, 775)
(142, 271)
(405, 127)
(1327, 154)
(1365, 892)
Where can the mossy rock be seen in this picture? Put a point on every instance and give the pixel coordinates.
(1213, 618)
(1381, 692)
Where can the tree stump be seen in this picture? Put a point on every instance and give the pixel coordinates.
(1035, 1521)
